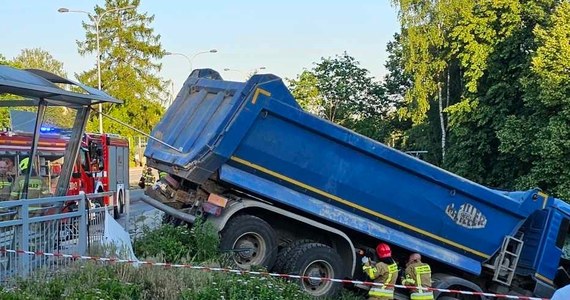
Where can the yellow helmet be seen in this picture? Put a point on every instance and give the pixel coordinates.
(24, 163)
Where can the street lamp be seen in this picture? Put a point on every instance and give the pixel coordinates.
(97, 20)
(189, 59)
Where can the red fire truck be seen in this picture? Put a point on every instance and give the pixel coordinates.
(102, 164)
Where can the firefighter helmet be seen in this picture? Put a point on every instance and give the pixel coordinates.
(383, 250)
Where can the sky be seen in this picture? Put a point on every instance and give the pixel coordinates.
(285, 37)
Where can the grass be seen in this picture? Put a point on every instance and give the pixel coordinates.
(196, 245)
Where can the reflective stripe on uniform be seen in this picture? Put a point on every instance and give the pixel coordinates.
(380, 292)
(370, 271)
(420, 270)
(35, 186)
(392, 270)
(422, 296)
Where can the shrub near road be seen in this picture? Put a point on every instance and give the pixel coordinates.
(198, 245)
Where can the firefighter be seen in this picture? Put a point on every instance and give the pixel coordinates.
(147, 178)
(37, 187)
(385, 272)
(418, 274)
(5, 181)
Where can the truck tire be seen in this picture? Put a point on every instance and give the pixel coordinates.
(170, 220)
(317, 260)
(255, 236)
(284, 254)
(444, 281)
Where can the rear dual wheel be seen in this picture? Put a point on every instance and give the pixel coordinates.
(314, 261)
(249, 240)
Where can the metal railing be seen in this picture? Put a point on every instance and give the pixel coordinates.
(67, 225)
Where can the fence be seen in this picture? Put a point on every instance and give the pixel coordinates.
(66, 225)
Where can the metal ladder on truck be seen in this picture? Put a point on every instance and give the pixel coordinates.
(506, 262)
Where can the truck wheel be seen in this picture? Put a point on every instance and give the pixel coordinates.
(444, 281)
(251, 241)
(284, 254)
(317, 260)
(170, 220)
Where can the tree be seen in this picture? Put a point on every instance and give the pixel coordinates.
(397, 81)
(495, 42)
(346, 89)
(305, 91)
(4, 111)
(129, 72)
(341, 91)
(429, 59)
(540, 135)
(405, 135)
(37, 58)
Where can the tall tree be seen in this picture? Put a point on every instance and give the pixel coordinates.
(129, 49)
(429, 59)
(341, 91)
(347, 90)
(494, 42)
(540, 135)
(37, 58)
(305, 91)
(397, 81)
(4, 111)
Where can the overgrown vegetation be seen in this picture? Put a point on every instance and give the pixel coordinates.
(176, 244)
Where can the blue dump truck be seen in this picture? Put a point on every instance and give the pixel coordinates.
(298, 194)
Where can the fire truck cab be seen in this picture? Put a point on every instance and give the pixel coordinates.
(101, 166)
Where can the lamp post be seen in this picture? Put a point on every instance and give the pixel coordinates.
(97, 20)
(189, 59)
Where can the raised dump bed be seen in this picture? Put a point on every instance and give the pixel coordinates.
(255, 136)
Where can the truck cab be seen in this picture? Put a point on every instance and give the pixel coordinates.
(545, 256)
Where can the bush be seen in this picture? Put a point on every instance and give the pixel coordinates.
(96, 280)
(176, 244)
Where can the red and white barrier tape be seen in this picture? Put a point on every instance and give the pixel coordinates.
(245, 272)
